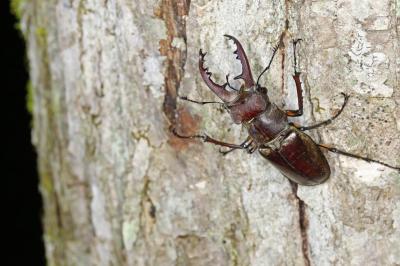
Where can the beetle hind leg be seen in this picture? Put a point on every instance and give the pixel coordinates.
(345, 153)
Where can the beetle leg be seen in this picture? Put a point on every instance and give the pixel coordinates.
(334, 150)
(328, 121)
(244, 145)
(296, 77)
(206, 138)
(246, 70)
(198, 102)
(252, 148)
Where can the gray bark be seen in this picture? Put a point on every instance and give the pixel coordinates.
(119, 189)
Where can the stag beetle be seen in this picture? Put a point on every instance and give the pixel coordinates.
(282, 143)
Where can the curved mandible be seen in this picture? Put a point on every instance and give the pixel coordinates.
(246, 70)
(219, 90)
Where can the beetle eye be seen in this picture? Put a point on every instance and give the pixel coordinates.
(262, 90)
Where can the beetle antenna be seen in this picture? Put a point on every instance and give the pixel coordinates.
(274, 49)
(229, 85)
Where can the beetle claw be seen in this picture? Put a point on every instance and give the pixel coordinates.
(241, 56)
(219, 90)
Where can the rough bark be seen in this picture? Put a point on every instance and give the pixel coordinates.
(119, 189)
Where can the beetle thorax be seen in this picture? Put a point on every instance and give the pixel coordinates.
(248, 105)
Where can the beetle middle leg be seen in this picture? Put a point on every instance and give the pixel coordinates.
(345, 153)
(328, 121)
(206, 138)
(245, 144)
(296, 77)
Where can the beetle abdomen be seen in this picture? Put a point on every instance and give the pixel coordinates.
(298, 158)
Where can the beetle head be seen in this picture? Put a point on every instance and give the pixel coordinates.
(248, 105)
(245, 104)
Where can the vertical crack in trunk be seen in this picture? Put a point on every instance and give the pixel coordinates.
(174, 13)
(147, 216)
(283, 71)
(282, 50)
(303, 224)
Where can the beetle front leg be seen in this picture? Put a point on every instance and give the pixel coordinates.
(206, 138)
(197, 102)
(185, 98)
(296, 77)
(345, 153)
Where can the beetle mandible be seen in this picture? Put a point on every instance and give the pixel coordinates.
(281, 142)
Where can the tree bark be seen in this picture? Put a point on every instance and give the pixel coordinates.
(120, 189)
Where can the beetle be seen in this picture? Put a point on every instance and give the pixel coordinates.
(270, 132)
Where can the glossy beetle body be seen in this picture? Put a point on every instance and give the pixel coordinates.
(298, 158)
(282, 143)
(293, 152)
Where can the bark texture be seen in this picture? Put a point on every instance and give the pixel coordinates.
(119, 189)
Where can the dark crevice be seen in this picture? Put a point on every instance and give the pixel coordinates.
(283, 71)
(303, 221)
(147, 216)
(303, 224)
(174, 13)
(23, 226)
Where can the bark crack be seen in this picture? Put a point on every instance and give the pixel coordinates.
(147, 215)
(303, 221)
(283, 71)
(303, 224)
(174, 14)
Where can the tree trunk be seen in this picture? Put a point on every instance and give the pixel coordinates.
(120, 189)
